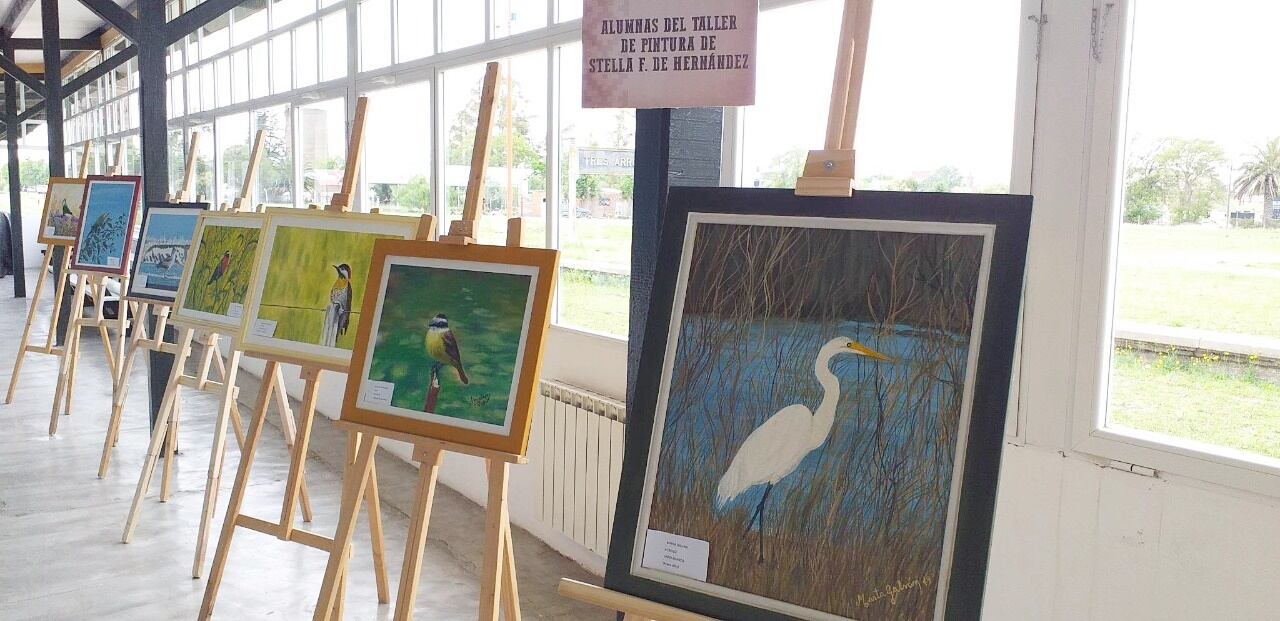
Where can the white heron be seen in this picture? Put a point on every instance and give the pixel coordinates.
(776, 448)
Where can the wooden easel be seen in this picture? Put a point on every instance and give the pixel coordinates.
(164, 436)
(498, 590)
(24, 345)
(827, 172)
(310, 374)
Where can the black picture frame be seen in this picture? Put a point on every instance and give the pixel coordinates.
(137, 255)
(1011, 217)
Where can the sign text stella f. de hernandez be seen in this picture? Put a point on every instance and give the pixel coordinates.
(668, 53)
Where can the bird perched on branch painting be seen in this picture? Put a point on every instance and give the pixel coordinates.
(442, 346)
(220, 269)
(776, 448)
(337, 316)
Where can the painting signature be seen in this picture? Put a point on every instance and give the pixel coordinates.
(479, 401)
(892, 591)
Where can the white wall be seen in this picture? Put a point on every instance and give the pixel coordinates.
(1075, 540)
(585, 360)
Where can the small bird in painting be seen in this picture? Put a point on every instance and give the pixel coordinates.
(220, 269)
(776, 448)
(66, 211)
(337, 317)
(442, 346)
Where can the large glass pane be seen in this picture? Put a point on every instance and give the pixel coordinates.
(375, 34)
(275, 171)
(905, 140)
(322, 127)
(282, 63)
(288, 11)
(207, 87)
(462, 23)
(215, 36)
(597, 150)
(333, 46)
(415, 22)
(1197, 337)
(516, 16)
(193, 91)
(397, 160)
(204, 164)
(233, 156)
(515, 184)
(568, 9)
(259, 70)
(222, 84)
(240, 76)
(250, 20)
(305, 54)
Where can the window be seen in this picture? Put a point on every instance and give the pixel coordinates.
(203, 183)
(240, 76)
(275, 170)
(282, 63)
(597, 152)
(416, 29)
(333, 46)
(567, 10)
(233, 155)
(306, 54)
(464, 23)
(215, 37)
(1195, 331)
(375, 34)
(397, 155)
(905, 140)
(516, 16)
(250, 21)
(284, 12)
(322, 128)
(259, 71)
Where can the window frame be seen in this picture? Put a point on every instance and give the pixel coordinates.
(1081, 109)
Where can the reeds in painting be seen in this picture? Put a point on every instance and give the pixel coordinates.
(855, 514)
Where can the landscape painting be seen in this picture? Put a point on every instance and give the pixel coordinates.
(107, 225)
(216, 280)
(453, 342)
(812, 401)
(62, 206)
(167, 229)
(312, 277)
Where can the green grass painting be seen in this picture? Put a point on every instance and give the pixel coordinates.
(485, 314)
(301, 273)
(223, 263)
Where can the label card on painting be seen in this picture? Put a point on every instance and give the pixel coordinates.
(668, 53)
(676, 554)
(140, 281)
(235, 310)
(265, 328)
(48, 231)
(377, 393)
(113, 261)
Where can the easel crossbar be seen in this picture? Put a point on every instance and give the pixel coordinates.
(306, 538)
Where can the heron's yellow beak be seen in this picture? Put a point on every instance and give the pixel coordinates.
(863, 350)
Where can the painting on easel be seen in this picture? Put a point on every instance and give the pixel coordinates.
(215, 281)
(452, 347)
(311, 276)
(167, 230)
(818, 377)
(62, 204)
(107, 224)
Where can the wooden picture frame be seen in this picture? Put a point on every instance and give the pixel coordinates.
(177, 251)
(323, 236)
(108, 222)
(235, 236)
(54, 217)
(695, 473)
(473, 302)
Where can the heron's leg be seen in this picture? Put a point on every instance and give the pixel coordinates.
(763, 500)
(755, 514)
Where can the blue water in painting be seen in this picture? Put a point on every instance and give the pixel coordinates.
(891, 417)
(164, 249)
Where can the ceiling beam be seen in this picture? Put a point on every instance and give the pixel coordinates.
(86, 43)
(101, 69)
(16, 12)
(114, 15)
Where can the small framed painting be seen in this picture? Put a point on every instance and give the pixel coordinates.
(452, 342)
(61, 220)
(309, 281)
(215, 282)
(107, 225)
(820, 405)
(163, 248)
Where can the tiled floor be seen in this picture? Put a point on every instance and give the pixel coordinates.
(60, 526)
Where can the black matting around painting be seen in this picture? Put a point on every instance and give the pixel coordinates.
(820, 404)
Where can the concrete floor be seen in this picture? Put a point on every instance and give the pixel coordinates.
(60, 526)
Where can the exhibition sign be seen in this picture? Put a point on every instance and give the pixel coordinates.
(167, 230)
(668, 53)
(107, 225)
(820, 405)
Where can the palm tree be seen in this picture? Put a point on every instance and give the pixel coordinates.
(1262, 176)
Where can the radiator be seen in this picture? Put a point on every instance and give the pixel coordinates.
(582, 443)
